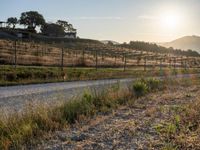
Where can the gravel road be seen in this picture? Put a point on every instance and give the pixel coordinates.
(16, 97)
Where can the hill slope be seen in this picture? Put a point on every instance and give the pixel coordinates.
(185, 43)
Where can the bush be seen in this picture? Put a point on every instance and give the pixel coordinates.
(153, 84)
(11, 76)
(73, 109)
(24, 75)
(140, 88)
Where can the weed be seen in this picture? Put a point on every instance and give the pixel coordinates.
(153, 84)
(140, 88)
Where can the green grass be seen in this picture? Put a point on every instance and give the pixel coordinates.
(140, 88)
(143, 86)
(30, 74)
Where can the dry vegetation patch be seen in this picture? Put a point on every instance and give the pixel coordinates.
(167, 117)
(159, 120)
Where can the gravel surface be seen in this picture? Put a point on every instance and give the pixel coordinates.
(15, 97)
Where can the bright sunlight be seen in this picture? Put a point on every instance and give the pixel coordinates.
(170, 21)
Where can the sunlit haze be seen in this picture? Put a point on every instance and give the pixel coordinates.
(118, 20)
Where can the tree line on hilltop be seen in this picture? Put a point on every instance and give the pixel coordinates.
(152, 47)
(32, 19)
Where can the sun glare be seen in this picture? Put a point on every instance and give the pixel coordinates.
(170, 20)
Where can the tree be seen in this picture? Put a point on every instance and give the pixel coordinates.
(64, 24)
(32, 19)
(67, 27)
(52, 29)
(71, 28)
(12, 21)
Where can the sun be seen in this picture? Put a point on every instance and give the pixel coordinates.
(170, 20)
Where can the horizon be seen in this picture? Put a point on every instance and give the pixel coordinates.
(116, 20)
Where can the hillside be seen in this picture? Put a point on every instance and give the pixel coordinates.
(185, 43)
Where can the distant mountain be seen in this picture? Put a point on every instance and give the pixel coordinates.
(107, 41)
(185, 43)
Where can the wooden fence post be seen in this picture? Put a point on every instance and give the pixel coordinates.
(124, 62)
(15, 53)
(145, 63)
(83, 56)
(102, 57)
(185, 65)
(62, 58)
(96, 59)
(115, 60)
(160, 64)
(174, 63)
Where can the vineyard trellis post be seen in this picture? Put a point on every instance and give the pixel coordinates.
(62, 58)
(124, 62)
(174, 63)
(15, 53)
(170, 63)
(145, 63)
(96, 60)
(115, 60)
(185, 65)
(83, 56)
(160, 64)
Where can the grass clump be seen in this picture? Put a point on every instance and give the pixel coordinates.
(140, 88)
(22, 129)
(73, 109)
(144, 86)
(153, 84)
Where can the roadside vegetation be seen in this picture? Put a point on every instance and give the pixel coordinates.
(180, 130)
(29, 75)
(24, 129)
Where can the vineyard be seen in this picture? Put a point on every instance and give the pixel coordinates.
(87, 54)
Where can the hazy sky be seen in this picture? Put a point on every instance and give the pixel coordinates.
(119, 20)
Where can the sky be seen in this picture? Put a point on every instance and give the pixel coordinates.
(117, 20)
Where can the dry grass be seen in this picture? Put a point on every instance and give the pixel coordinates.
(21, 130)
(30, 53)
(181, 130)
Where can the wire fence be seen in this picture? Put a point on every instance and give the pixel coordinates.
(42, 54)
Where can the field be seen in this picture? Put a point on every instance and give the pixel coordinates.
(86, 53)
(41, 61)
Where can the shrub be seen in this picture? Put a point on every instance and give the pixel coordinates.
(73, 109)
(140, 88)
(153, 84)
(11, 76)
(24, 75)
